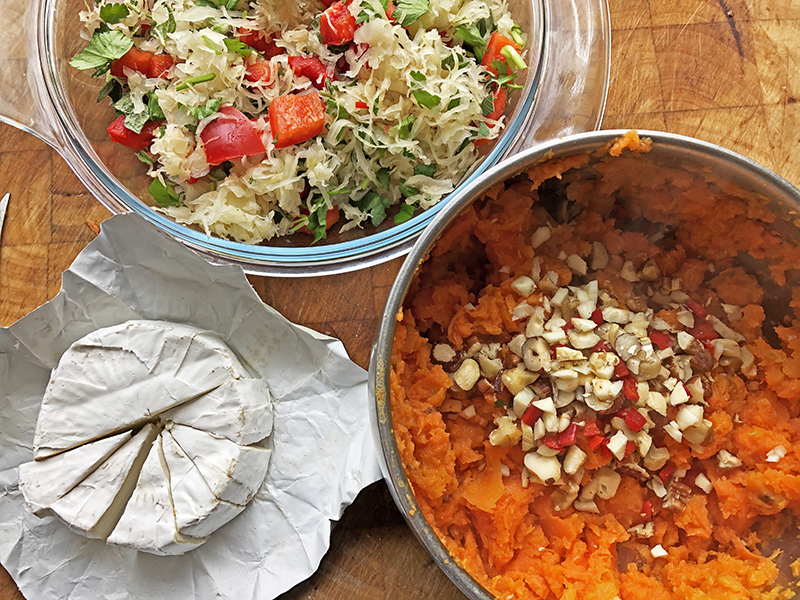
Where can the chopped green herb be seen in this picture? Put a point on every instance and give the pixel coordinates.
(449, 62)
(426, 170)
(470, 35)
(426, 99)
(164, 29)
(418, 76)
(154, 108)
(409, 11)
(165, 195)
(201, 112)
(104, 47)
(383, 178)
(210, 43)
(375, 106)
(238, 46)
(112, 89)
(463, 145)
(375, 205)
(487, 105)
(483, 131)
(404, 214)
(195, 80)
(145, 157)
(408, 191)
(453, 103)
(113, 13)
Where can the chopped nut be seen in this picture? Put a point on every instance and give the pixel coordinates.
(673, 431)
(540, 236)
(599, 257)
(688, 416)
(535, 325)
(643, 530)
(701, 434)
(617, 445)
(703, 483)
(546, 468)
(726, 460)
(678, 495)
(574, 459)
(650, 271)
(658, 551)
(616, 315)
(702, 362)
(490, 367)
(506, 434)
(443, 353)
(607, 482)
(516, 344)
(577, 264)
(562, 499)
(627, 346)
(589, 506)
(582, 340)
(656, 458)
(565, 379)
(635, 471)
(523, 310)
(603, 363)
(678, 395)
(528, 440)
(628, 272)
(468, 412)
(776, 454)
(467, 374)
(523, 285)
(522, 400)
(517, 379)
(583, 324)
(563, 353)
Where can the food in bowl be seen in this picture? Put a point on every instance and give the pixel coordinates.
(588, 397)
(260, 119)
(148, 437)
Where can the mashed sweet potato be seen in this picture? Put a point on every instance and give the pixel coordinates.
(673, 239)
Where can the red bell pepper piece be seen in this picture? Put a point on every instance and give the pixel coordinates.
(138, 141)
(665, 473)
(630, 388)
(551, 441)
(621, 370)
(597, 316)
(135, 60)
(597, 441)
(311, 67)
(390, 8)
(568, 326)
(496, 43)
(295, 119)
(260, 70)
(602, 346)
(647, 509)
(260, 43)
(331, 218)
(635, 420)
(160, 65)
(360, 104)
(553, 350)
(336, 25)
(704, 332)
(230, 136)
(697, 309)
(531, 415)
(629, 447)
(500, 101)
(590, 428)
(569, 436)
(662, 340)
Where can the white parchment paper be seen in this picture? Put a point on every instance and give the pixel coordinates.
(323, 449)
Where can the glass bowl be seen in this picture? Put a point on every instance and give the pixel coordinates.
(564, 92)
(729, 171)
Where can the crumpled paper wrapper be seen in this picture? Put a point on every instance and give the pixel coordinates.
(323, 449)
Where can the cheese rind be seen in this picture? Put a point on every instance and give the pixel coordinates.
(232, 472)
(94, 506)
(117, 377)
(240, 410)
(148, 523)
(198, 513)
(42, 482)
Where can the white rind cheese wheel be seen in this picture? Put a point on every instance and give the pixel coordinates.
(116, 378)
(109, 445)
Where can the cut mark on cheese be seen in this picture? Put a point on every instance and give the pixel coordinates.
(45, 481)
(95, 505)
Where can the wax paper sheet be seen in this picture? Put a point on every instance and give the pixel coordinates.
(323, 449)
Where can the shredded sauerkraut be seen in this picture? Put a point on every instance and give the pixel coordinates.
(406, 103)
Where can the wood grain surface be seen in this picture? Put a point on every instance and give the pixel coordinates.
(726, 71)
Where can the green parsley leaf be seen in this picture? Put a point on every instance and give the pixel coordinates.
(449, 62)
(112, 89)
(154, 108)
(165, 195)
(405, 213)
(201, 112)
(409, 11)
(470, 35)
(383, 178)
(483, 131)
(426, 170)
(426, 99)
(408, 191)
(487, 105)
(418, 76)
(125, 105)
(464, 144)
(453, 103)
(145, 157)
(363, 16)
(317, 222)
(238, 46)
(167, 27)
(376, 106)
(135, 122)
(113, 13)
(102, 49)
(375, 205)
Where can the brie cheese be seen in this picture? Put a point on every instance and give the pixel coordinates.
(198, 512)
(118, 377)
(42, 482)
(240, 410)
(233, 473)
(148, 523)
(94, 506)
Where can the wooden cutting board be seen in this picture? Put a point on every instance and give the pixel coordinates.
(726, 71)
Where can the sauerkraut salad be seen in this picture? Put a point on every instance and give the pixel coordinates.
(261, 118)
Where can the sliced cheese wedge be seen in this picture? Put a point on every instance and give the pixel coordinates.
(118, 377)
(198, 512)
(148, 523)
(94, 506)
(240, 410)
(233, 473)
(42, 482)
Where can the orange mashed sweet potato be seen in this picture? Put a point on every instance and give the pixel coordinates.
(722, 246)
